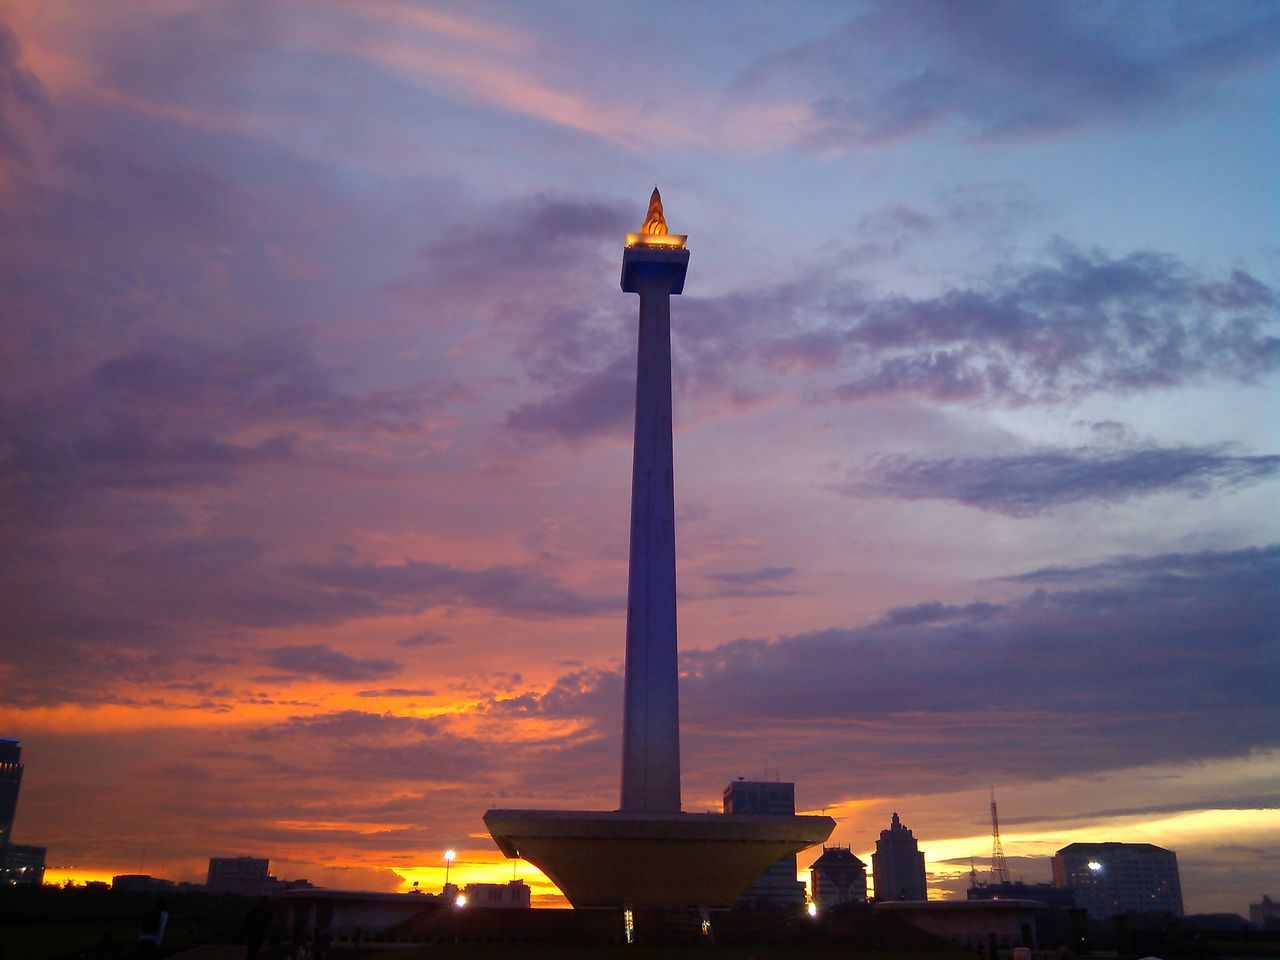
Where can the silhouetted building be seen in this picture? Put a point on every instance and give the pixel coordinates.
(247, 876)
(837, 878)
(141, 883)
(1045, 893)
(1265, 915)
(20, 863)
(897, 866)
(23, 864)
(777, 888)
(1110, 879)
(10, 782)
(514, 894)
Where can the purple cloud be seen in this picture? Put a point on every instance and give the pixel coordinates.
(425, 638)
(601, 404)
(1021, 485)
(1095, 653)
(418, 585)
(752, 577)
(321, 660)
(1001, 71)
(1078, 324)
(24, 103)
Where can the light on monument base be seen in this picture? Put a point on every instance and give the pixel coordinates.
(628, 925)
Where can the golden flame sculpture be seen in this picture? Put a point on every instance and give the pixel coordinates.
(653, 232)
(654, 223)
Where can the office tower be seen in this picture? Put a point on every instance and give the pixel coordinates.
(1111, 878)
(777, 888)
(897, 866)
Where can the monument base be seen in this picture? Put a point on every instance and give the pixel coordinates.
(652, 860)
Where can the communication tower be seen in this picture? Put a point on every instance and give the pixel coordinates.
(999, 868)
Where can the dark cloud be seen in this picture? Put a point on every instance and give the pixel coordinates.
(1025, 484)
(1054, 332)
(749, 577)
(935, 612)
(140, 611)
(24, 104)
(425, 638)
(997, 71)
(601, 404)
(1077, 324)
(763, 582)
(321, 660)
(417, 585)
(1134, 661)
(397, 692)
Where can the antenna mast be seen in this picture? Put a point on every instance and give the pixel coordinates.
(999, 868)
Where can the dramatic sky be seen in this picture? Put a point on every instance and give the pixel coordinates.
(315, 398)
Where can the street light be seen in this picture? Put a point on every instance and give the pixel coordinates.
(449, 857)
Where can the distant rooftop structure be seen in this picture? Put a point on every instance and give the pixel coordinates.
(1045, 893)
(1265, 914)
(512, 895)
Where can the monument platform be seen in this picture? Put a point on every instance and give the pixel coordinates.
(652, 860)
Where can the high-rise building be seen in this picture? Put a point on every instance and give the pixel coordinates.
(837, 878)
(777, 888)
(897, 866)
(1109, 879)
(248, 876)
(20, 863)
(10, 782)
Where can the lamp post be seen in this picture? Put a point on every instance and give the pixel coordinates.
(449, 856)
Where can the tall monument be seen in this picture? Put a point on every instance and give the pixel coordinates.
(647, 853)
(653, 265)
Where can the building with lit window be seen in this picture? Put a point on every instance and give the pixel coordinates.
(20, 863)
(10, 783)
(1110, 879)
(897, 866)
(777, 888)
(23, 864)
(837, 878)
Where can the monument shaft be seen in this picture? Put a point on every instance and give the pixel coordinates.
(651, 712)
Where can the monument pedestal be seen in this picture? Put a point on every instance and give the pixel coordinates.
(652, 860)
